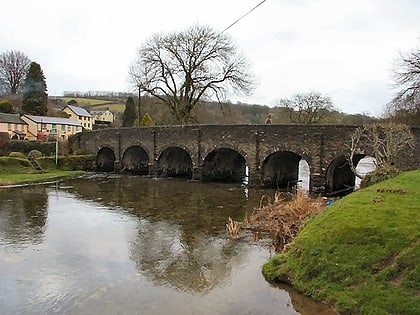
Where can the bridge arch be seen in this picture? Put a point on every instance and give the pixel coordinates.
(340, 179)
(224, 165)
(135, 160)
(105, 159)
(175, 162)
(281, 170)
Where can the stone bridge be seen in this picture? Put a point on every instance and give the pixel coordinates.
(262, 155)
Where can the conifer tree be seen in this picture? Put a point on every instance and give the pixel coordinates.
(129, 115)
(35, 97)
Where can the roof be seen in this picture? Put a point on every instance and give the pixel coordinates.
(11, 118)
(79, 111)
(99, 112)
(52, 120)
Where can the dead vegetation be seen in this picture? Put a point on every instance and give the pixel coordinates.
(283, 217)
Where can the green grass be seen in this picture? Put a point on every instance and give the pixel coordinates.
(97, 104)
(12, 179)
(18, 171)
(363, 253)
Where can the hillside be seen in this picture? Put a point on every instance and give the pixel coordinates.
(206, 113)
(363, 253)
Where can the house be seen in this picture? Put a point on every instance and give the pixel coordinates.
(103, 117)
(80, 115)
(13, 125)
(52, 128)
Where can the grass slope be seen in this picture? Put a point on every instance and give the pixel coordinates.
(18, 171)
(363, 253)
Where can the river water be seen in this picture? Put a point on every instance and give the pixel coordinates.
(131, 245)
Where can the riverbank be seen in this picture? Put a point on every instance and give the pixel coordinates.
(362, 254)
(15, 171)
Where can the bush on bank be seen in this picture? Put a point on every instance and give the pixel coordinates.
(362, 254)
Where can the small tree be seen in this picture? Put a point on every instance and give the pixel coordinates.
(384, 140)
(13, 68)
(129, 115)
(35, 97)
(307, 108)
(6, 107)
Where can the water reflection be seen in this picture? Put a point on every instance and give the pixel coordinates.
(130, 245)
(23, 215)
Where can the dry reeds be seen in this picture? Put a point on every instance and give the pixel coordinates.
(233, 228)
(283, 218)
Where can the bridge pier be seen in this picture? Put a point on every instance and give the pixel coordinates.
(197, 173)
(117, 166)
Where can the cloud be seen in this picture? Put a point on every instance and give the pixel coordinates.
(331, 46)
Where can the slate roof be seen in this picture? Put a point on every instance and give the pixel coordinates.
(11, 118)
(53, 120)
(79, 111)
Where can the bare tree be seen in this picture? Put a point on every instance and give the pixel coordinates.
(384, 140)
(13, 68)
(180, 69)
(406, 104)
(307, 108)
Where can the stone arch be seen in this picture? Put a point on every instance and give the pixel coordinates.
(105, 159)
(280, 170)
(135, 160)
(224, 165)
(175, 162)
(340, 179)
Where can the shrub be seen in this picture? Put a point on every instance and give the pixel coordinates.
(17, 155)
(379, 175)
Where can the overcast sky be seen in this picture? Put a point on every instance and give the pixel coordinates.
(342, 49)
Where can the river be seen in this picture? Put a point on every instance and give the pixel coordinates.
(108, 244)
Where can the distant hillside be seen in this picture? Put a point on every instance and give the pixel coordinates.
(205, 113)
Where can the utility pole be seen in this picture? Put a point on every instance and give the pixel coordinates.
(139, 104)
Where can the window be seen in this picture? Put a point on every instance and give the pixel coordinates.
(9, 126)
(63, 127)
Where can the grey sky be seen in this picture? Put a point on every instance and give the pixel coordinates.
(344, 49)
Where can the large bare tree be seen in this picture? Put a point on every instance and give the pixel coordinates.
(385, 141)
(307, 108)
(13, 68)
(406, 104)
(183, 68)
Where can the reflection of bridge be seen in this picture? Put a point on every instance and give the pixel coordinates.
(268, 154)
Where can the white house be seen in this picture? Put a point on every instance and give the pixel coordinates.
(80, 115)
(102, 117)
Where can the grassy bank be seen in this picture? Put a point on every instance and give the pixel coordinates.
(363, 253)
(18, 171)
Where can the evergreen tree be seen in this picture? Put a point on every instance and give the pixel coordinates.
(129, 115)
(35, 97)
